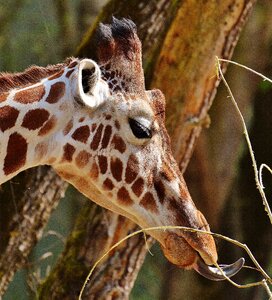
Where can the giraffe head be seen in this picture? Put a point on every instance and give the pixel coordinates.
(127, 165)
(106, 135)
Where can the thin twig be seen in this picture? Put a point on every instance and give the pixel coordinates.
(245, 67)
(244, 246)
(255, 168)
(263, 166)
(258, 178)
(267, 289)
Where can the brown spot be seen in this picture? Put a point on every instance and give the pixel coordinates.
(183, 191)
(72, 64)
(167, 173)
(68, 74)
(117, 124)
(65, 175)
(106, 137)
(124, 197)
(177, 208)
(138, 187)
(132, 169)
(160, 190)
(149, 203)
(97, 137)
(103, 163)
(8, 117)
(56, 92)
(30, 95)
(68, 153)
(81, 134)
(57, 75)
(35, 118)
(82, 184)
(41, 150)
(82, 159)
(133, 97)
(108, 185)
(48, 126)
(81, 119)
(51, 160)
(68, 127)
(94, 173)
(108, 117)
(93, 127)
(16, 153)
(118, 143)
(116, 166)
(3, 97)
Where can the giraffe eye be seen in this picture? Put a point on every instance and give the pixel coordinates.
(139, 130)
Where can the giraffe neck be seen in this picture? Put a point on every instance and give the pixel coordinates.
(30, 122)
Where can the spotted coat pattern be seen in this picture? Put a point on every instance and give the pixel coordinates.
(46, 118)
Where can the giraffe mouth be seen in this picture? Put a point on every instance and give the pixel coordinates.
(184, 253)
(213, 273)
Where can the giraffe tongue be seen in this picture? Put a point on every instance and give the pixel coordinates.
(214, 273)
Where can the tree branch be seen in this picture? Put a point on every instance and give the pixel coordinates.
(172, 58)
(41, 196)
(168, 68)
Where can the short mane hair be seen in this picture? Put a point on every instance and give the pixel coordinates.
(31, 75)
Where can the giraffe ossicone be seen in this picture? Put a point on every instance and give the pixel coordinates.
(98, 127)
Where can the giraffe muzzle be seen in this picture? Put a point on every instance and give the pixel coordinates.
(181, 252)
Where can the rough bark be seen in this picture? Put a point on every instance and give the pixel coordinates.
(10, 209)
(43, 189)
(129, 257)
(112, 280)
(158, 22)
(218, 148)
(223, 188)
(182, 65)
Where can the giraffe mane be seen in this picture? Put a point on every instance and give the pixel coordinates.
(30, 75)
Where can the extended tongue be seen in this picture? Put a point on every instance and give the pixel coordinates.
(213, 273)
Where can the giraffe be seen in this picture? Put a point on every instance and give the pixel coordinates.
(101, 131)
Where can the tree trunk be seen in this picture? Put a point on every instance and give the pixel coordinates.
(223, 187)
(180, 40)
(179, 63)
(24, 218)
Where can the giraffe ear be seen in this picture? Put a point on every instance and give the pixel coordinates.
(89, 88)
